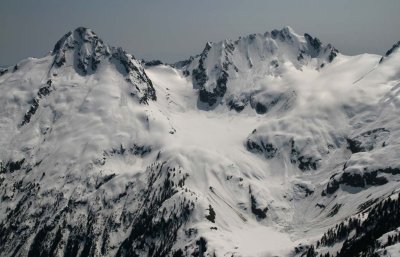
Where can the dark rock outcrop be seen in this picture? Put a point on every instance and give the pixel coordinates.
(304, 162)
(3, 71)
(390, 51)
(359, 179)
(153, 63)
(260, 213)
(34, 105)
(368, 140)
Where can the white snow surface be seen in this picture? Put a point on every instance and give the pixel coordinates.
(85, 117)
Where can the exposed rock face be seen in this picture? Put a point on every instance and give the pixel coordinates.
(83, 224)
(216, 69)
(42, 92)
(389, 52)
(259, 212)
(83, 47)
(134, 74)
(3, 71)
(153, 63)
(85, 51)
(303, 160)
(368, 140)
(281, 139)
(366, 178)
(200, 79)
(297, 155)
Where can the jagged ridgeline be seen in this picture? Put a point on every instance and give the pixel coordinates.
(218, 70)
(273, 144)
(84, 50)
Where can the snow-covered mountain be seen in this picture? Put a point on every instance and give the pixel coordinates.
(274, 144)
(235, 71)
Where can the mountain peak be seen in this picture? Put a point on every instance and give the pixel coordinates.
(85, 51)
(83, 45)
(289, 29)
(79, 35)
(286, 33)
(223, 62)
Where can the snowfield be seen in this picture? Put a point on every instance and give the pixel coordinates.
(271, 145)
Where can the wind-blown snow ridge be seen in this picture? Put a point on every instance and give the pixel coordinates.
(271, 145)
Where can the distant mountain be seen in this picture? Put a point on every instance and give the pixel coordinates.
(273, 144)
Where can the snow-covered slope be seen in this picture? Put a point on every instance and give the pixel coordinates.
(270, 145)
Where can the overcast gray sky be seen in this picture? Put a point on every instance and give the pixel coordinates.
(171, 30)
